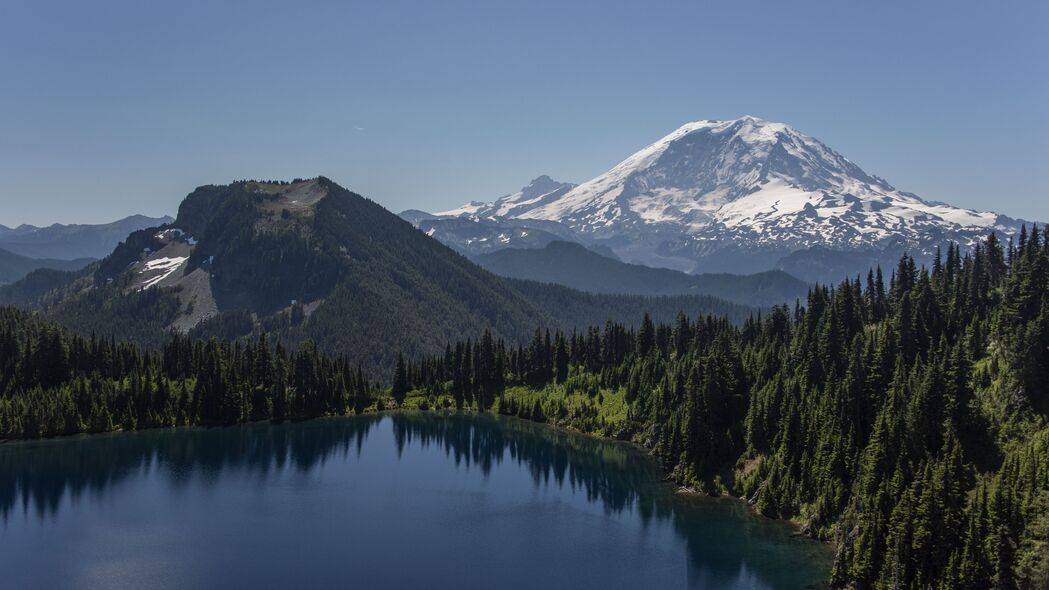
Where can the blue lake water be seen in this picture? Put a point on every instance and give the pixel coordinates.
(402, 500)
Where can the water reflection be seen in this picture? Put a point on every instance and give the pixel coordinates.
(38, 474)
(611, 473)
(725, 546)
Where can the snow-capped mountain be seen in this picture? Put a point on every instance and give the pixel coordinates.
(739, 195)
(478, 227)
(471, 235)
(540, 192)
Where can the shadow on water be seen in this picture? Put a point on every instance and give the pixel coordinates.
(724, 541)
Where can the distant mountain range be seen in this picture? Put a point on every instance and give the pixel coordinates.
(744, 195)
(312, 260)
(573, 265)
(71, 242)
(14, 266)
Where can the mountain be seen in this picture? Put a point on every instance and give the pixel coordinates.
(740, 196)
(312, 260)
(480, 235)
(540, 192)
(13, 266)
(70, 242)
(477, 228)
(575, 266)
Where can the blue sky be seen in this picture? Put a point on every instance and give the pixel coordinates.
(109, 108)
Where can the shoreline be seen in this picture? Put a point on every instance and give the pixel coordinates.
(679, 489)
(676, 488)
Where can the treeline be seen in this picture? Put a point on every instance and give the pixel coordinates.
(906, 421)
(903, 419)
(53, 382)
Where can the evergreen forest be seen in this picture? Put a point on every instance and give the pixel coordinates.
(902, 418)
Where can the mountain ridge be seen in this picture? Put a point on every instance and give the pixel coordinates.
(313, 261)
(573, 265)
(15, 266)
(73, 241)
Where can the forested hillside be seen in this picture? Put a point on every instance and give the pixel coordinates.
(310, 260)
(902, 419)
(53, 382)
(906, 422)
(575, 266)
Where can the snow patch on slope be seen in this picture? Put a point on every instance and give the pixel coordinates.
(164, 267)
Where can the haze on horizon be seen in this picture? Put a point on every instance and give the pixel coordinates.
(115, 107)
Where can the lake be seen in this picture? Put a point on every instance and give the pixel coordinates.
(401, 500)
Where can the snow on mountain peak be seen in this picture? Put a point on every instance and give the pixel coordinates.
(745, 183)
(749, 175)
(538, 192)
(468, 209)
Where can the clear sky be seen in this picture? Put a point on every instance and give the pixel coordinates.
(109, 108)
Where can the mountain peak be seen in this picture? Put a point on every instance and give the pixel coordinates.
(541, 189)
(540, 185)
(747, 128)
(745, 183)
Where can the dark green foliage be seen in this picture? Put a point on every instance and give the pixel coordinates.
(138, 316)
(228, 325)
(53, 382)
(400, 381)
(256, 263)
(32, 288)
(906, 423)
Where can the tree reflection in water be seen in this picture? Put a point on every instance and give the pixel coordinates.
(38, 475)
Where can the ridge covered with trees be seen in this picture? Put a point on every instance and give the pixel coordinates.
(312, 261)
(903, 420)
(53, 382)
